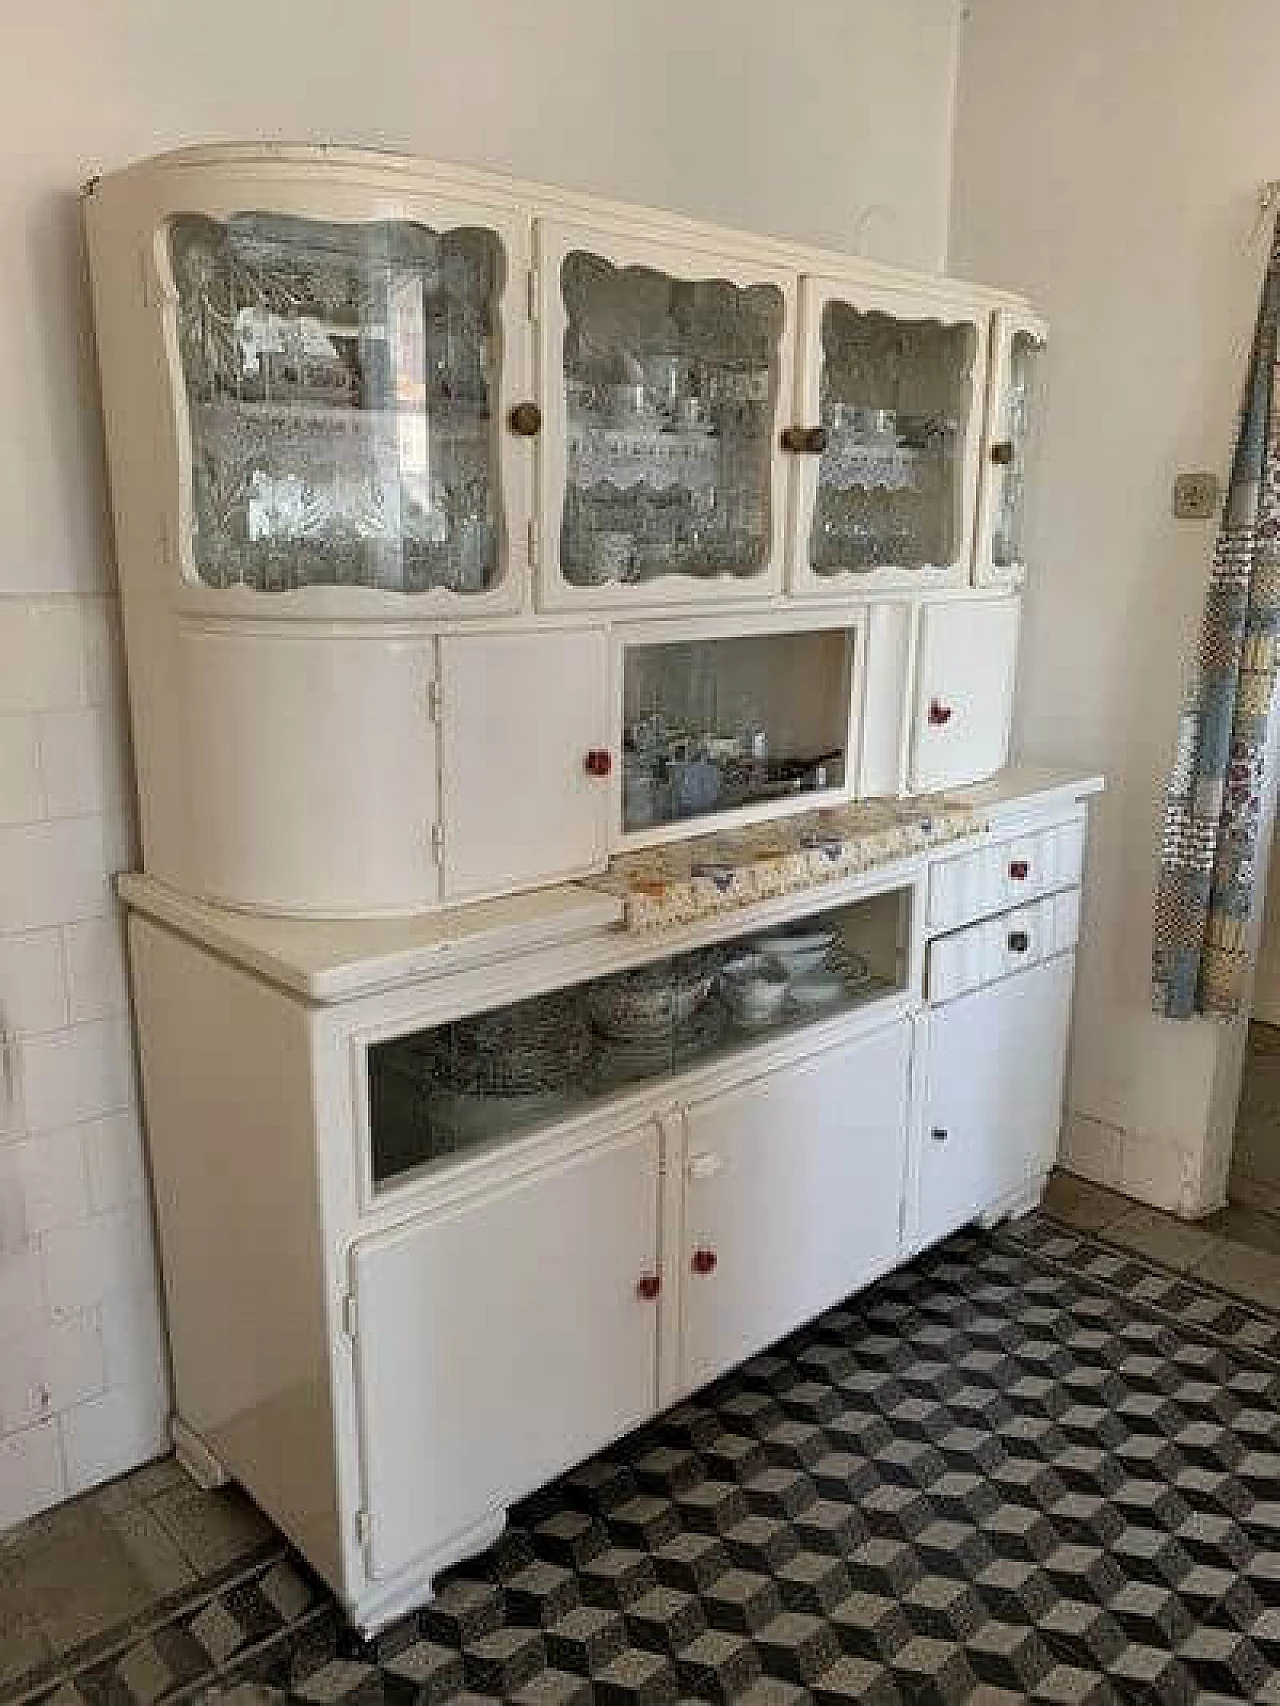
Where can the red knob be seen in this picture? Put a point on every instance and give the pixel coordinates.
(704, 1262)
(1019, 870)
(939, 713)
(599, 762)
(648, 1287)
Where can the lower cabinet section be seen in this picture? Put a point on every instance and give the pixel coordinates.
(502, 1340)
(994, 1067)
(793, 1196)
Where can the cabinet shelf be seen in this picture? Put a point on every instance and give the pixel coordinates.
(623, 457)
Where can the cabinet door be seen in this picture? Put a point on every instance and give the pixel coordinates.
(890, 388)
(994, 1069)
(665, 373)
(794, 1196)
(502, 1339)
(964, 691)
(344, 361)
(523, 800)
(1014, 406)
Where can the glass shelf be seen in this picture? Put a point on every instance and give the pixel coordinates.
(459, 1088)
(713, 725)
(671, 389)
(894, 397)
(338, 390)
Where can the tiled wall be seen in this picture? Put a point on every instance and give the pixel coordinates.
(83, 1390)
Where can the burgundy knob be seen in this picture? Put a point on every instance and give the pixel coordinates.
(704, 1262)
(1019, 941)
(599, 762)
(939, 713)
(1019, 870)
(648, 1287)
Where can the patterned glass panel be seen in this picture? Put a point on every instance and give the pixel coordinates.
(671, 390)
(338, 383)
(1021, 399)
(895, 399)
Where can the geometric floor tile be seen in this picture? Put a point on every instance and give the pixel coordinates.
(1029, 1467)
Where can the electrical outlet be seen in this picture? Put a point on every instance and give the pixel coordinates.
(1196, 496)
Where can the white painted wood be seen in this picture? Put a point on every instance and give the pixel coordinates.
(908, 303)
(1006, 323)
(886, 721)
(994, 1067)
(805, 1204)
(965, 671)
(626, 244)
(1009, 870)
(307, 769)
(519, 714)
(502, 1340)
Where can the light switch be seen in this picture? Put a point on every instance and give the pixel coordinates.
(1196, 496)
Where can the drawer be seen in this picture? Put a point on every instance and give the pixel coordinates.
(1006, 873)
(983, 953)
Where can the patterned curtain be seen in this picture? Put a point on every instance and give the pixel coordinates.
(1206, 888)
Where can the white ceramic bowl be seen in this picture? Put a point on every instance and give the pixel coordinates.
(755, 997)
(800, 951)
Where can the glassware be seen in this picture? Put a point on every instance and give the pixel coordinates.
(338, 396)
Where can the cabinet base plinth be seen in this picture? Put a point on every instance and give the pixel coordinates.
(194, 1455)
(1016, 1205)
(411, 1589)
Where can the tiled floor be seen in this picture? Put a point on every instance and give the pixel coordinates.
(1040, 1465)
(1238, 1248)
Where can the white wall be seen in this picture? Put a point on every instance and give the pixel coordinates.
(830, 122)
(1107, 161)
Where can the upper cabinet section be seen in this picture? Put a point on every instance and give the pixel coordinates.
(1014, 407)
(664, 374)
(890, 397)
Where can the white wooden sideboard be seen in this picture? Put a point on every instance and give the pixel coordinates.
(475, 538)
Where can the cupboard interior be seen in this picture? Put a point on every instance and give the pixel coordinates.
(472, 1083)
(713, 724)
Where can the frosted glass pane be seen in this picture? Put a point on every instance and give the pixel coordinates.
(1021, 400)
(338, 389)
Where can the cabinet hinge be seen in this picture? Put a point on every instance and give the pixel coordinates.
(437, 843)
(435, 700)
(532, 303)
(362, 1528)
(349, 1315)
(533, 543)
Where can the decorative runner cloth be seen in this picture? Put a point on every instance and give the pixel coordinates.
(687, 880)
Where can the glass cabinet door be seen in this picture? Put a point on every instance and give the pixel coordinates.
(344, 404)
(663, 378)
(1013, 411)
(888, 440)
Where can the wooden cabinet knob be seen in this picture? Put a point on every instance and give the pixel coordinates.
(703, 1262)
(649, 1287)
(525, 420)
(1002, 453)
(1019, 870)
(939, 714)
(1019, 941)
(804, 441)
(599, 762)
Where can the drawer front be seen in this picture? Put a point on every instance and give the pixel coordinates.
(1007, 873)
(1013, 941)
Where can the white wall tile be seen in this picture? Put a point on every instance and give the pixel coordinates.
(43, 1184)
(128, 1425)
(82, 761)
(22, 1300)
(33, 987)
(116, 1162)
(31, 1473)
(78, 1074)
(42, 663)
(51, 1370)
(133, 1339)
(52, 873)
(97, 984)
(106, 1254)
(21, 796)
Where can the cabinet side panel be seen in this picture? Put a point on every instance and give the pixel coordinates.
(227, 1089)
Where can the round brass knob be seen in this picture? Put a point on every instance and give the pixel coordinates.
(525, 420)
(804, 441)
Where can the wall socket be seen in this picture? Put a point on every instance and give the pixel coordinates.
(1196, 496)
